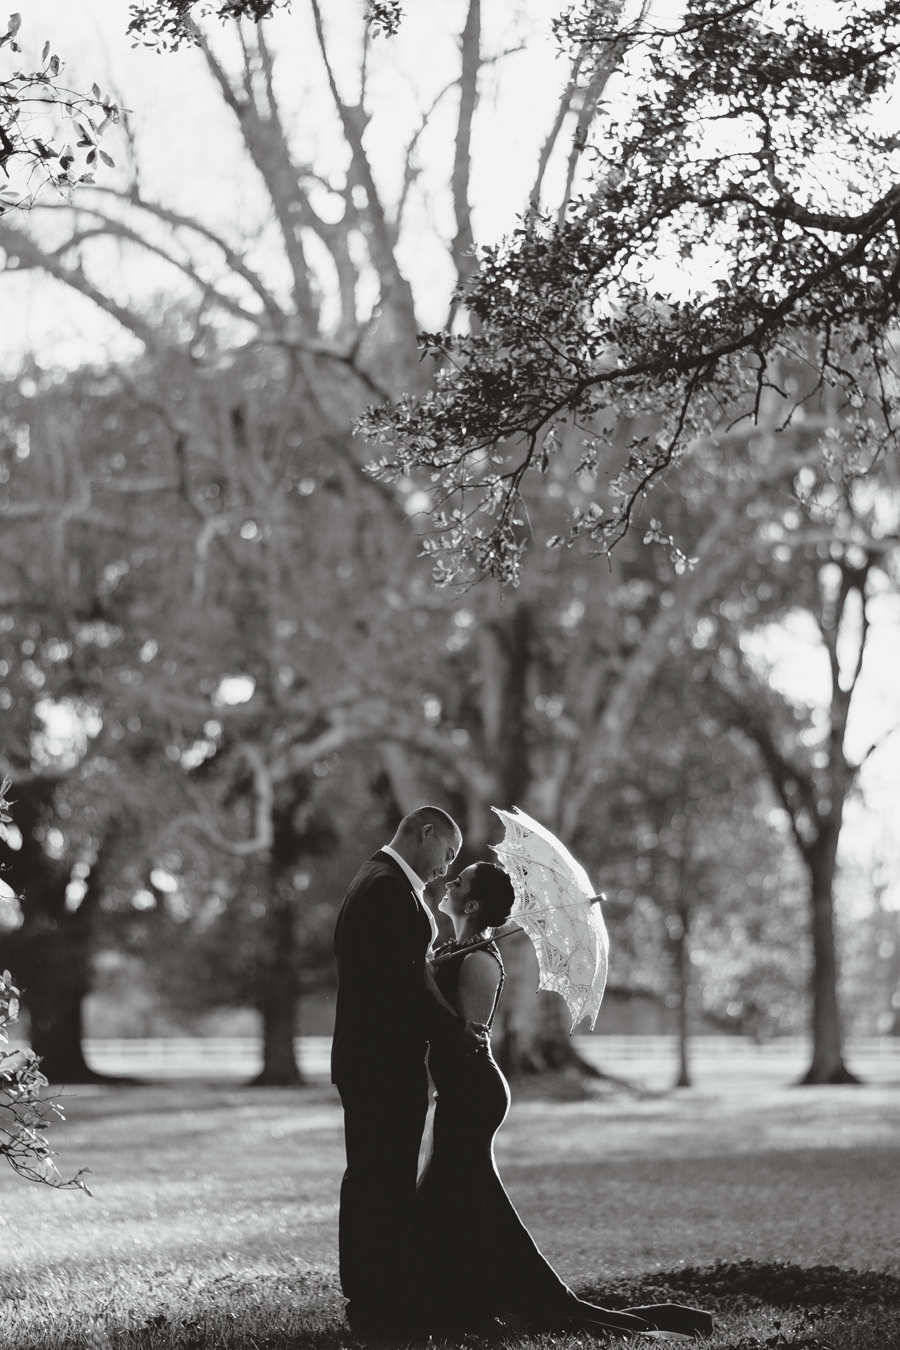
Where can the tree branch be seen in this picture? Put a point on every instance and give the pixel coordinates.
(233, 260)
(463, 245)
(717, 554)
(18, 245)
(395, 289)
(264, 798)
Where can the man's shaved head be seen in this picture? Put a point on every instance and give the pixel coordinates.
(429, 840)
(428, 815)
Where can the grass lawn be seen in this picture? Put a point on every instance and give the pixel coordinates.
(214, 1217)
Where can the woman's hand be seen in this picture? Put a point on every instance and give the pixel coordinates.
(472, 1038)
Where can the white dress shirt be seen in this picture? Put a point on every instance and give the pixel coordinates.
(417, 884)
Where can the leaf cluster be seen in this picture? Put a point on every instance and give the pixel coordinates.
(25, 1115)
(34, 109)
(743, 200)
(167, 24)
(384, 16)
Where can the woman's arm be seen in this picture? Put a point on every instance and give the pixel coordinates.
(477, 987)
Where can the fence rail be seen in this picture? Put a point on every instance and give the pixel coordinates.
(240, 1057)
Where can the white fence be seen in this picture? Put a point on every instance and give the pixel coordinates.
(647, 1058)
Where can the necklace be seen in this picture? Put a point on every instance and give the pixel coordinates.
(460, 946)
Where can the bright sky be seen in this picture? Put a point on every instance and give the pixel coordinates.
(190, 159)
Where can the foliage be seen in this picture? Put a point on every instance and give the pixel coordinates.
(685, 844)
(35, 108)
(209, 944)
(384, 15)
(25, 1115)
(239, 804)
(225, 475)
(166, 24)
(169, 23)
(743, 194)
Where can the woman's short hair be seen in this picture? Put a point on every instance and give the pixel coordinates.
(493, 890)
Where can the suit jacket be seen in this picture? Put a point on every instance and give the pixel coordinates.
(385, 1015)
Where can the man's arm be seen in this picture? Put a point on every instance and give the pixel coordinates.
(433, 988)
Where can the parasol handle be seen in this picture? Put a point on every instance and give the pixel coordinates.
(506, 932)
(485, 942)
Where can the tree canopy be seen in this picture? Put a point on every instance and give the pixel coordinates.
(25, 1111)
(743, 197)
(169, 23)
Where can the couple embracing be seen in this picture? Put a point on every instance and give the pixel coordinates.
(449, 1254)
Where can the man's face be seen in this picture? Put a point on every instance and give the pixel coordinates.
(438, 850)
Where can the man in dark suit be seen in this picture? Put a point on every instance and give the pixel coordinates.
(388, 1009)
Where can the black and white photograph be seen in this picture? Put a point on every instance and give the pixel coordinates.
(450, 674)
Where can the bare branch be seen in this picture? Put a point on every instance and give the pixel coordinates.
(547, 148)
(115, 229)
(462, 248)
(592, 96)
(265, 140)
(18, 245)
(234, 261)
(78, 509)
(794, 786)
(876, 745)
(409, 173)
(718, 554)
(264, 797)
(211, 527)
(395, 289)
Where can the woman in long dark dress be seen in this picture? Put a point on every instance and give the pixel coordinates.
(472, 1260)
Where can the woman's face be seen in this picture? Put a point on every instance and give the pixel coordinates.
(459, 894)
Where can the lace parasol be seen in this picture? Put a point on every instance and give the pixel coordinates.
(556, 906)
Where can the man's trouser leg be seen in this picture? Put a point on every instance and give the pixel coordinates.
(383, 1126)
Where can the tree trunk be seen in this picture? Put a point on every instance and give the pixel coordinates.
(279, 992)
(680, 934)
(532, 1028)
(279, 1015)
(683, 976)
(827, 1035)
(54, 996)
(50, 955)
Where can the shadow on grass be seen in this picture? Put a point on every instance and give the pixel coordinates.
(778, 1284)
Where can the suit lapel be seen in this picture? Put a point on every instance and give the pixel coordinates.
(424, 913)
